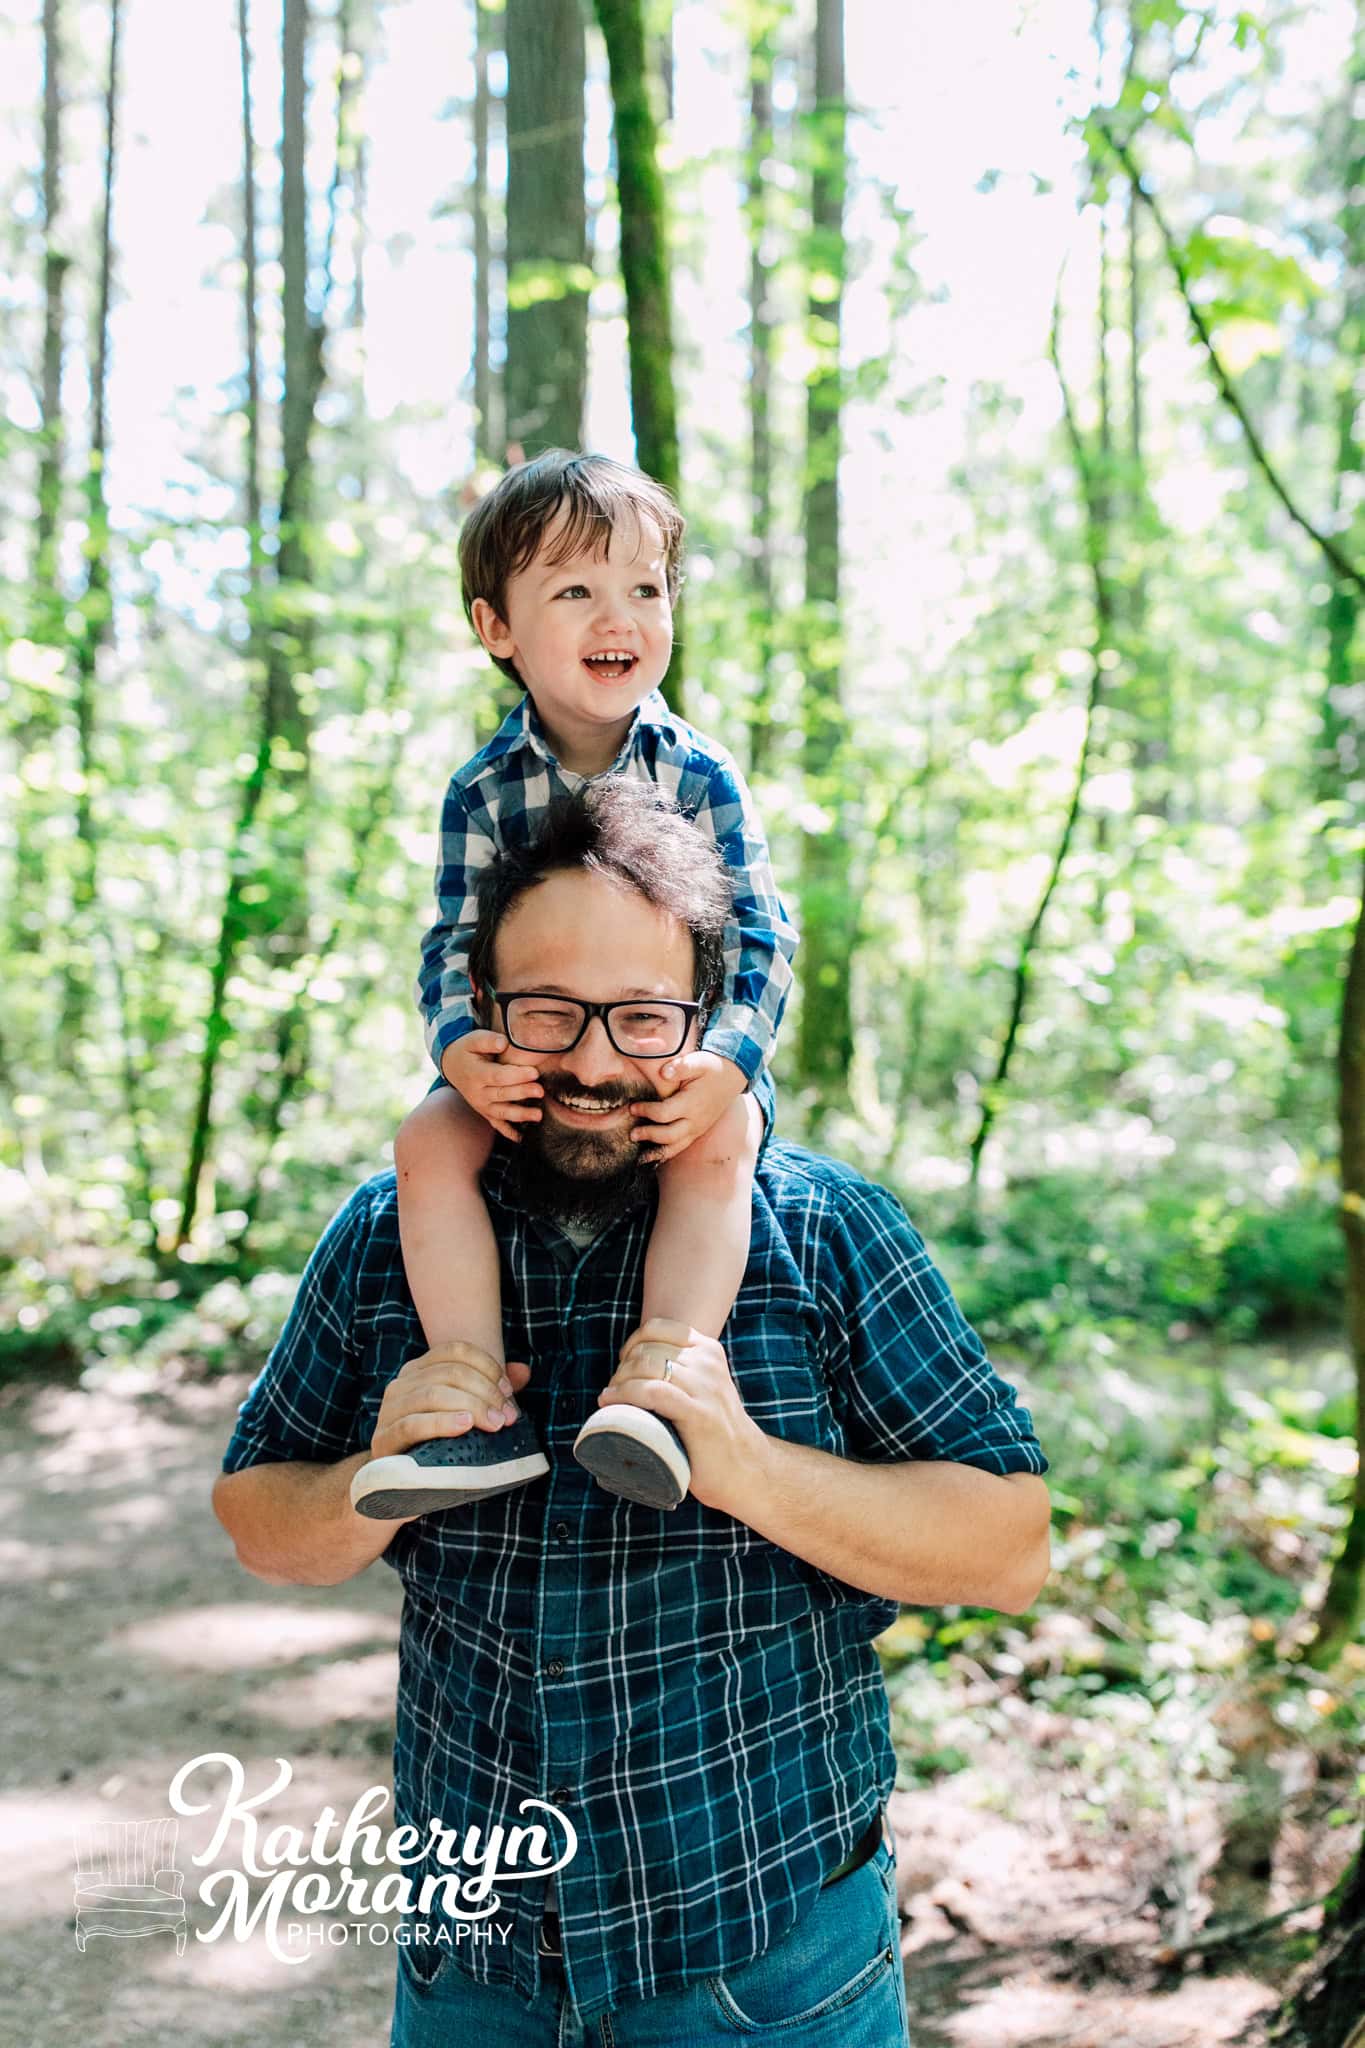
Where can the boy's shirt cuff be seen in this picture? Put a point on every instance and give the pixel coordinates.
(732, 1032)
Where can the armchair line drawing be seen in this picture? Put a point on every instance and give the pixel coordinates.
(127, 1883)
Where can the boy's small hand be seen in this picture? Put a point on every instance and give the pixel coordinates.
(474, 1065)
(705, 1086)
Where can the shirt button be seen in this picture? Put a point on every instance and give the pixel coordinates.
(561, 1530)
(555, 1668)
(560, 1794)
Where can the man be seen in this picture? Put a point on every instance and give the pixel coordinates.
(697, 1691)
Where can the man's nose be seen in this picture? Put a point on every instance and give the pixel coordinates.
(594, 1059)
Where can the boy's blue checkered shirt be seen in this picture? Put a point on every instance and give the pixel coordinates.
(499, 797)
(707, 1708)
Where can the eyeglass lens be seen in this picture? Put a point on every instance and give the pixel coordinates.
(644, 1030)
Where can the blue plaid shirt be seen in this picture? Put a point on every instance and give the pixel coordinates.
(707, 1708)
(499, 797)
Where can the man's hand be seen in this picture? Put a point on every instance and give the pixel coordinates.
(443, 1393)
(706, 1086)
(474, 1065)
(702, 1402)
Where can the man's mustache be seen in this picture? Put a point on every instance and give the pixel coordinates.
(611, 1095)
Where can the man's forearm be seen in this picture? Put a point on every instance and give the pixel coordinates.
(293, 1524)
(926, 1534)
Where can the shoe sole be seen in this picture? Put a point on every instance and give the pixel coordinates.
(634, 1453)
(387, 1489)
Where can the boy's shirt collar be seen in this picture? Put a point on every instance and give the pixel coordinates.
(522, 728)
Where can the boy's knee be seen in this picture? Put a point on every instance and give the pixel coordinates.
(441, 1127)
(730, 1146)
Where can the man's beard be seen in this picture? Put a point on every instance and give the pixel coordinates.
(578, 1175)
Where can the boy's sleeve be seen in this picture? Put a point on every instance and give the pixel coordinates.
(467, 845)
(909, 1378)
(760, 938)
(305, 1401)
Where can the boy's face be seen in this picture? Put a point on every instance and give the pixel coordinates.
(564, 620)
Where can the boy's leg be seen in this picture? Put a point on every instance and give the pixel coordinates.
(699, 1245)
(698, 1250)
(450, 1255)
(451, 1258)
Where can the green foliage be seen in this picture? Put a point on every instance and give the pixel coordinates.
(1068, 1248)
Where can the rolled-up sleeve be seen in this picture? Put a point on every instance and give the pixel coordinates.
(304, 1403)
(909, 1378)
(468, 843)
(760, 938)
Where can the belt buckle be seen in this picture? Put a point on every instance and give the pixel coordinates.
(549, 1926)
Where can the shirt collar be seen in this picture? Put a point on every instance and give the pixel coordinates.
(522, 728)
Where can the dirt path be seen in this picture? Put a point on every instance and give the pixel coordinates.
(133, 1642)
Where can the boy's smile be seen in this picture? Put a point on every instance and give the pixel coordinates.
(591, 636)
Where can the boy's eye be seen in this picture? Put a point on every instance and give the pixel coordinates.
(575, 590)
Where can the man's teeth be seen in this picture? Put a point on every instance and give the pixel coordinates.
(594, 1108)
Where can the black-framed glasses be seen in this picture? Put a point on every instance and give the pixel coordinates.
(640, 1027)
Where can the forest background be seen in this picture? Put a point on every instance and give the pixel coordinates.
(1007, 363)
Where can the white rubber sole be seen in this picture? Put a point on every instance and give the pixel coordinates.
(388, 1489)
(634, 1453)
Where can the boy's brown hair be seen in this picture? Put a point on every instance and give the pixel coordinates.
(502, 534)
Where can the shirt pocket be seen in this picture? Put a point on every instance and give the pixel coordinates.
(387, 1346)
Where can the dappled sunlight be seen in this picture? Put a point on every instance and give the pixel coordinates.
(1036, 2015)
(247, 1635)
(25, 1562)
(141, 1511)
(363, 1689)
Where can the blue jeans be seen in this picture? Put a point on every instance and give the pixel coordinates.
(835, 1981)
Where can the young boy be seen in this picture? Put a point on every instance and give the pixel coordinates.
(570, 567)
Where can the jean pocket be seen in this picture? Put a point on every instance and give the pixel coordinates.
(840, 1951)
(422, 1963)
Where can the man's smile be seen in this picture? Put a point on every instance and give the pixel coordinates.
(579, 1111)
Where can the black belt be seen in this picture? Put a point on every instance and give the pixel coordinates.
(863, 1850)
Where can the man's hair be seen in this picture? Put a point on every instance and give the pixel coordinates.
(628, 831)
(502, 534)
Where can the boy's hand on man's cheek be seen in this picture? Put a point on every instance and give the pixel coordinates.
(696, 1089)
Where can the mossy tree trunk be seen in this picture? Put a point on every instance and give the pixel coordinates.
(548, 277)
(645, 268)
(762, 591)
(1324, 2006)
(829, 923)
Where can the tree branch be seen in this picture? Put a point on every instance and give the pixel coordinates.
(1340, 563)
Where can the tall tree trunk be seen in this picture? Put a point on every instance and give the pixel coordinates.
(1324, 2006)
(548, 278)
(1342, 1602)
(762, 592)
(56, 262)
(95, 604)
(825, 1039)
(38, 716)
(644, 243)
(644, 266)
(1102, 647)
(486, 437)
(266, 897)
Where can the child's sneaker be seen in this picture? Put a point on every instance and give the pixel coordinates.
(633, 1452)
(449, 1471)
